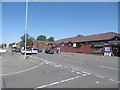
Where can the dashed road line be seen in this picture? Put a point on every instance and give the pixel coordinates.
(97, 82)
(58, 82)
(109, 68)
(111, 80)
(84, 73)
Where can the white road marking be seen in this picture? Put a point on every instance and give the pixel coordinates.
(102, 77)
(60, 65)
(78, 72)
(56, 66)
(4, 60)
(73, 71)
(49, 62)
(111, 80)
(118, 81)
(42, 59)
(42, 86)
(97, 82)
(23, 70)
(84, 74)
(99, 76)
(62, 81)
(65, 67)
(109, 68)
(54, 83)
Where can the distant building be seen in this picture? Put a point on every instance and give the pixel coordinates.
(93, 44)
(43, 44)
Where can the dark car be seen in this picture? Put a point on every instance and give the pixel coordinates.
(14, 49)
(49, 51)
(18, 50)
(39, 50)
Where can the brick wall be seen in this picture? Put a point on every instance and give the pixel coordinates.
(86, 49)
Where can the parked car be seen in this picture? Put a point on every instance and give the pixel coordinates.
(18, 50)
(14, 49)
(39, 50)
(2, 50)
(34, 51)
(49, 51)
(28, 51)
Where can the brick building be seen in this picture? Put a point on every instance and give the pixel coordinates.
(92, 44)
(43, 44)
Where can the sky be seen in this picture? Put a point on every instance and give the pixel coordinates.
(58, 19)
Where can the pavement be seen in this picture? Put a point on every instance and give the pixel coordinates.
(12, 63)
(63, 70)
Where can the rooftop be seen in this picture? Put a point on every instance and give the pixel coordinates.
(95, 37)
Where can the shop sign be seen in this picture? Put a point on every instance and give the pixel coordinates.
(74, 44)
(107, 49)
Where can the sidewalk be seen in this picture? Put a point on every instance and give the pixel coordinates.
(17, 62)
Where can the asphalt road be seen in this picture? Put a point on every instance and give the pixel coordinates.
(63, 70)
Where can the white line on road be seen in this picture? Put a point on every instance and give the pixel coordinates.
(97, 82)
(73, 70)
(23, 70)
(58, 82)
(4, 60)
(111, 80)
(109, 68)
(78, 72)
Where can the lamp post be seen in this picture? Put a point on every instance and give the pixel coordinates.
(26, 26)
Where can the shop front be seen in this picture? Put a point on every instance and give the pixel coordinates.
(115, 47)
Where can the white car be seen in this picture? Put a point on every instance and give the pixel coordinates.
(34, 51)
(28, 51)
(3, 50)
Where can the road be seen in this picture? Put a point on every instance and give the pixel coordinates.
(63, 70)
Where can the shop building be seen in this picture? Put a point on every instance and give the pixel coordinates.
(102, 44)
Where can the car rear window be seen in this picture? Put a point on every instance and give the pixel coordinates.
(34, 49)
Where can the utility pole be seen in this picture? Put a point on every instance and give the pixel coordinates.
(26, 22)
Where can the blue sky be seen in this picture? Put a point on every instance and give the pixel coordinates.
(60, 20)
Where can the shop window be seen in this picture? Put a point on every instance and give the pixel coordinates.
(70, 44)
(78, 45)
(97, 50)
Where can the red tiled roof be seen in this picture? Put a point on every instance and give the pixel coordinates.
(96, 37)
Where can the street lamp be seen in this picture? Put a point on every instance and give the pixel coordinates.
(26, 25)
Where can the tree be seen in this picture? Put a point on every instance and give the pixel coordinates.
(79, 35)
(11, 44)
(51, 39)
(3, 45)
(29, 40)
(41, 38)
